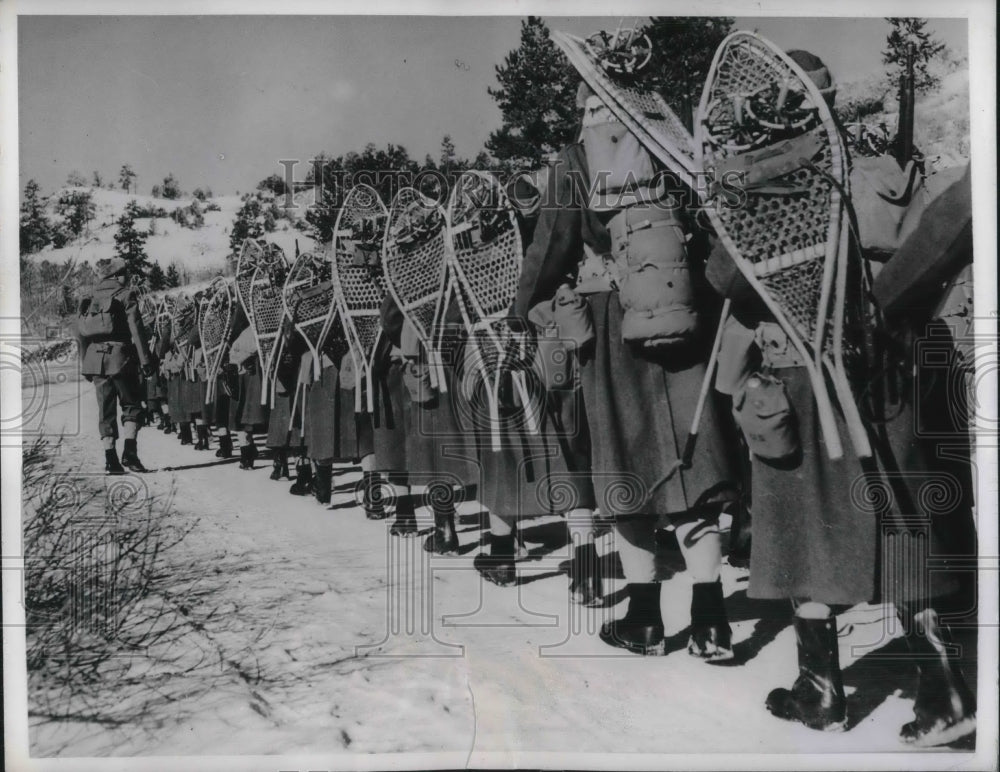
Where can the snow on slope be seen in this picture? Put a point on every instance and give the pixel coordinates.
(941, 118)
(199, 250)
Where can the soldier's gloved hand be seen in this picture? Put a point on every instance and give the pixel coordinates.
(148, 370)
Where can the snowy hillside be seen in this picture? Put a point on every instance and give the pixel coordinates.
(941, 123)
(198, 251)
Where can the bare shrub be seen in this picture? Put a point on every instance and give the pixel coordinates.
(120, 622)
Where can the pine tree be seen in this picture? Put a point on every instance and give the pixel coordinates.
(448, 154)
(321, 217)
(77, 208)
(35, 228)
(904, 31)
(157, 278)
(683, 48)
(249, 224)
(536, 97)
(171, 187)
(387, 170)
(173, 276)
(126, 177)
(274, 183)
(130, 244)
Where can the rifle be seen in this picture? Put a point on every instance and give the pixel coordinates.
(907, 97)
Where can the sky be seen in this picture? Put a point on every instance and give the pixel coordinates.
(219, 101)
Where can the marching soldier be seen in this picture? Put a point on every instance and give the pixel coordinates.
(114, 349)
(819, 524)
(641, 374)
(172, 366)
(439, 452)
(158, 386)
(392, 416)
(245, 360)
(279, 434)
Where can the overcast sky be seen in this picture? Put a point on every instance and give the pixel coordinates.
(219, 101)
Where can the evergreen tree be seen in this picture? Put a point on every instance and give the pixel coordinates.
(77, 209)
(321, 217)
(76, 180)
(250, 223)
(387, 170)
(35, 228)
(536, 97)
(157, 278)
(126, 177)
(130, 244)
(274, 183)
(683, 48)
(173, 276)
(171, 187)
(926, 48)
(448, 155)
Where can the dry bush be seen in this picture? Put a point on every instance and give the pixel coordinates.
(121, 624)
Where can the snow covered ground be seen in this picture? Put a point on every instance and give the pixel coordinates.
(192, 249)
(325, 599)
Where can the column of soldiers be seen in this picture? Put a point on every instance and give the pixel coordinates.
(636, 354)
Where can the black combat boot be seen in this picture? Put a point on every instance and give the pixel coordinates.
(816, 699)
(130, 457)
(202, 443)
(225, 446)
(371, 494)
(162, 423)
(498, 566)
(585, 584)
(248, 453)
(322, 483)
(405, 523)
(111, 463)
(711, 637)
(641, 629)
(443, 540)
(168, 425)
(303, 484)
(184, 433)
(279, 463)
(945, 709)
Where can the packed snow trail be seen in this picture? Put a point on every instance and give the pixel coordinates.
(326, 598)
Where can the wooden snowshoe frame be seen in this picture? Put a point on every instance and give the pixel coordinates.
(216, 318)
(788, 234)
(415, 259)
(308, 297)
(484, 268)
(359, 281)
(642, 111)
(267, 314)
